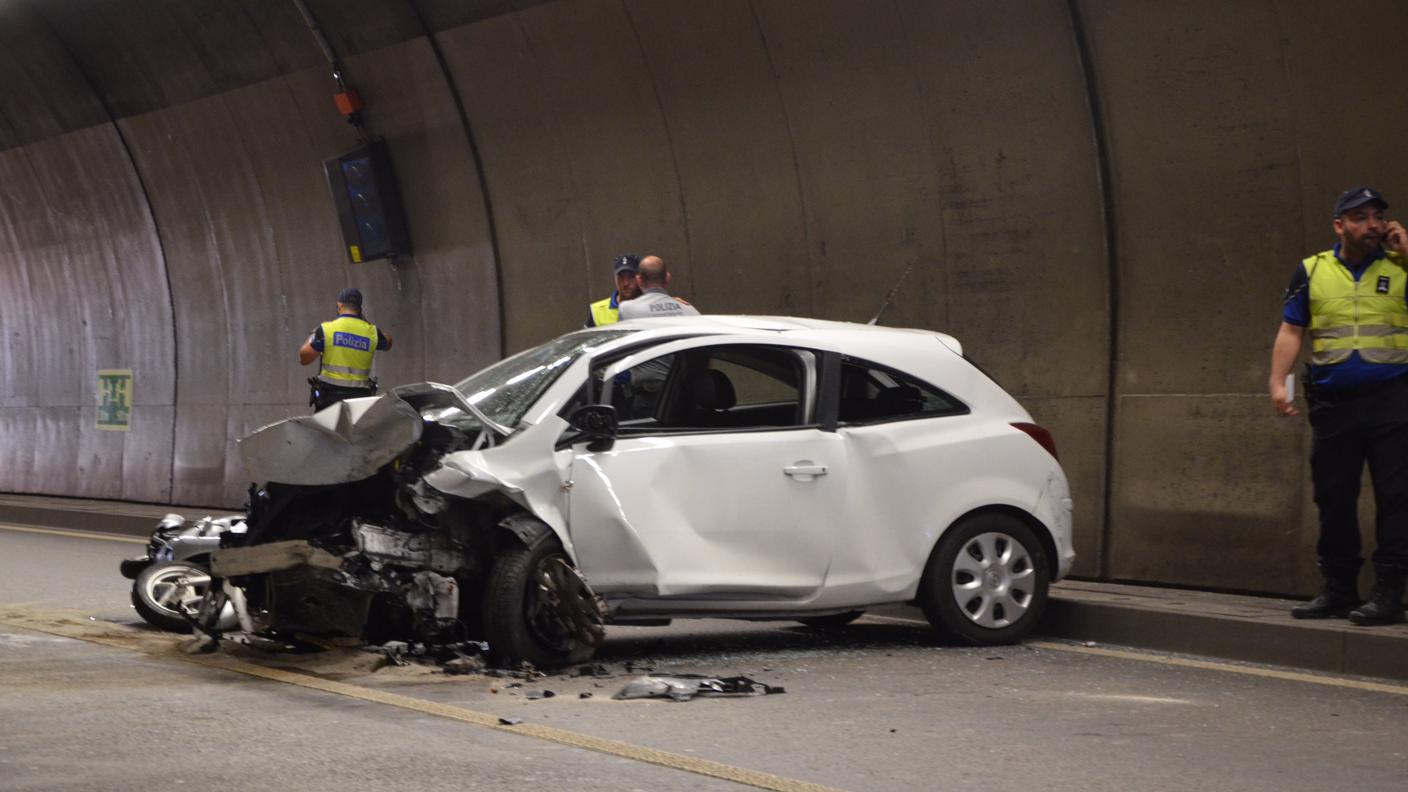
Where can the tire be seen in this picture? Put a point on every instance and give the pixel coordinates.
(833, 622)
(164, 592)
(538, 610)
(987, 581)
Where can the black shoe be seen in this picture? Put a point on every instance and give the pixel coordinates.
(1386, 607)
(1330, 605)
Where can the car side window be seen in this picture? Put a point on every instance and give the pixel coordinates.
(871, 393)
(729, 387)
(636, 392)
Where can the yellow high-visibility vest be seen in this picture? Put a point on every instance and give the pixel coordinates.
(1368, 315)
(604, 313)
(348, 345)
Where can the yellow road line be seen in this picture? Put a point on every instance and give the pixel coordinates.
(1206, 665)
(71, 533)
(624, 750)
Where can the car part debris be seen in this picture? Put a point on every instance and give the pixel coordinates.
(464, 665)
(683, 687)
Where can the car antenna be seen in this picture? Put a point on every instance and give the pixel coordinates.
(890, 298)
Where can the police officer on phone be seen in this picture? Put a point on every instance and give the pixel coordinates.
(346, 346)
(1353, 300)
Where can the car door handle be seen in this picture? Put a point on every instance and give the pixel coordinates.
(805, 470)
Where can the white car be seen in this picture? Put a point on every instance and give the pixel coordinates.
(715, 466)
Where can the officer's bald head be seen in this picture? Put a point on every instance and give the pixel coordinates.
(653, 273)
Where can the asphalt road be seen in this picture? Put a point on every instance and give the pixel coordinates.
(90, 699)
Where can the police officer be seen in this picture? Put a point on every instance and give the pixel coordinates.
(1352, 299)
(653, 277)
(607, 311)
(346, 346)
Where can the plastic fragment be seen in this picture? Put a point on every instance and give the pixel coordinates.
(683, 687)
(510, 721)
(464, 665)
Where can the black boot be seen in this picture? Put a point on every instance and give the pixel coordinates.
(1385, 607)
(1339, 598)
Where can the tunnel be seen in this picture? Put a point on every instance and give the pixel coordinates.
(1102, 200)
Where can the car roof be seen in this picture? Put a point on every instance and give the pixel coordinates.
(841, 333)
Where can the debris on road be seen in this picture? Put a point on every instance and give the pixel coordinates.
(464, 665)
(683, 687)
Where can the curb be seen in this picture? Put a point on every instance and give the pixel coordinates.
(1249, 629)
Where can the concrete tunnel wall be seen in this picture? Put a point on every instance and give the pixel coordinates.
(1103, 200)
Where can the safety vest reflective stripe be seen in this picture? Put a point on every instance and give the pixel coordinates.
(349, 343)
(1367, 315)
(604, 314)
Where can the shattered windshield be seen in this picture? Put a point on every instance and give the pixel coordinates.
(506, 390)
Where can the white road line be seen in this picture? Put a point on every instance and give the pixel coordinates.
(73, 534)
(1206, 665)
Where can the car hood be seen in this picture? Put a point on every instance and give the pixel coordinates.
(347, 441)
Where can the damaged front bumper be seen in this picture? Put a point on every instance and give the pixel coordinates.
(298, 587)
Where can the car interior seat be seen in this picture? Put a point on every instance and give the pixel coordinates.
(899, 400)
(711, 394)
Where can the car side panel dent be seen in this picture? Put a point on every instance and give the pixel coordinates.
(923, 476)
(615, 554)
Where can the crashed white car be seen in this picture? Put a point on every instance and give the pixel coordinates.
(716, 466)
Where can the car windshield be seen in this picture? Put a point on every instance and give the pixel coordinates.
(506, 390)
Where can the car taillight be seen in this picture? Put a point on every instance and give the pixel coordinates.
(1041, 436)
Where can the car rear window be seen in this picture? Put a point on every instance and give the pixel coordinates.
(872, 393)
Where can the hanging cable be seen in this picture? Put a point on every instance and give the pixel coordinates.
(348, 102)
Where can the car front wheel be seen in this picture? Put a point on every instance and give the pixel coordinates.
(987, 581)
(538, 609)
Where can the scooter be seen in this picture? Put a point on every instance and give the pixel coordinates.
(172, 578)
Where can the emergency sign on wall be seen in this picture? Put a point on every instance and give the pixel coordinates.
(368, 203)
(115, 399)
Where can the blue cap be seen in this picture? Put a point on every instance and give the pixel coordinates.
(1355, 197)
(350, 296)
(627, 262)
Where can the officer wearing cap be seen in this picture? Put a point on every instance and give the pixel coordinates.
(608, 311)
(1353, 299)
(346, 345)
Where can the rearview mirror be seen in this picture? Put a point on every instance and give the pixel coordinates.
(596, 421)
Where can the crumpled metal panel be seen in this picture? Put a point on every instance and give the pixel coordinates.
(348, 441)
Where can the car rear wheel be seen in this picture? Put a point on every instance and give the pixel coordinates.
(164, 593)
(987, 581)
(538, 609)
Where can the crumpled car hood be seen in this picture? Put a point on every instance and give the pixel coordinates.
(347, 441)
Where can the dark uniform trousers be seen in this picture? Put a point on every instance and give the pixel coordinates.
(323, 395)
(1349, 428)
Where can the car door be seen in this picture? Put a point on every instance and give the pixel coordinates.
(719, 483)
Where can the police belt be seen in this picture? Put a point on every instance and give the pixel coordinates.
(1335, 395)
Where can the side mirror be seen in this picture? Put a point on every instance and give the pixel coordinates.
(596, 421)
